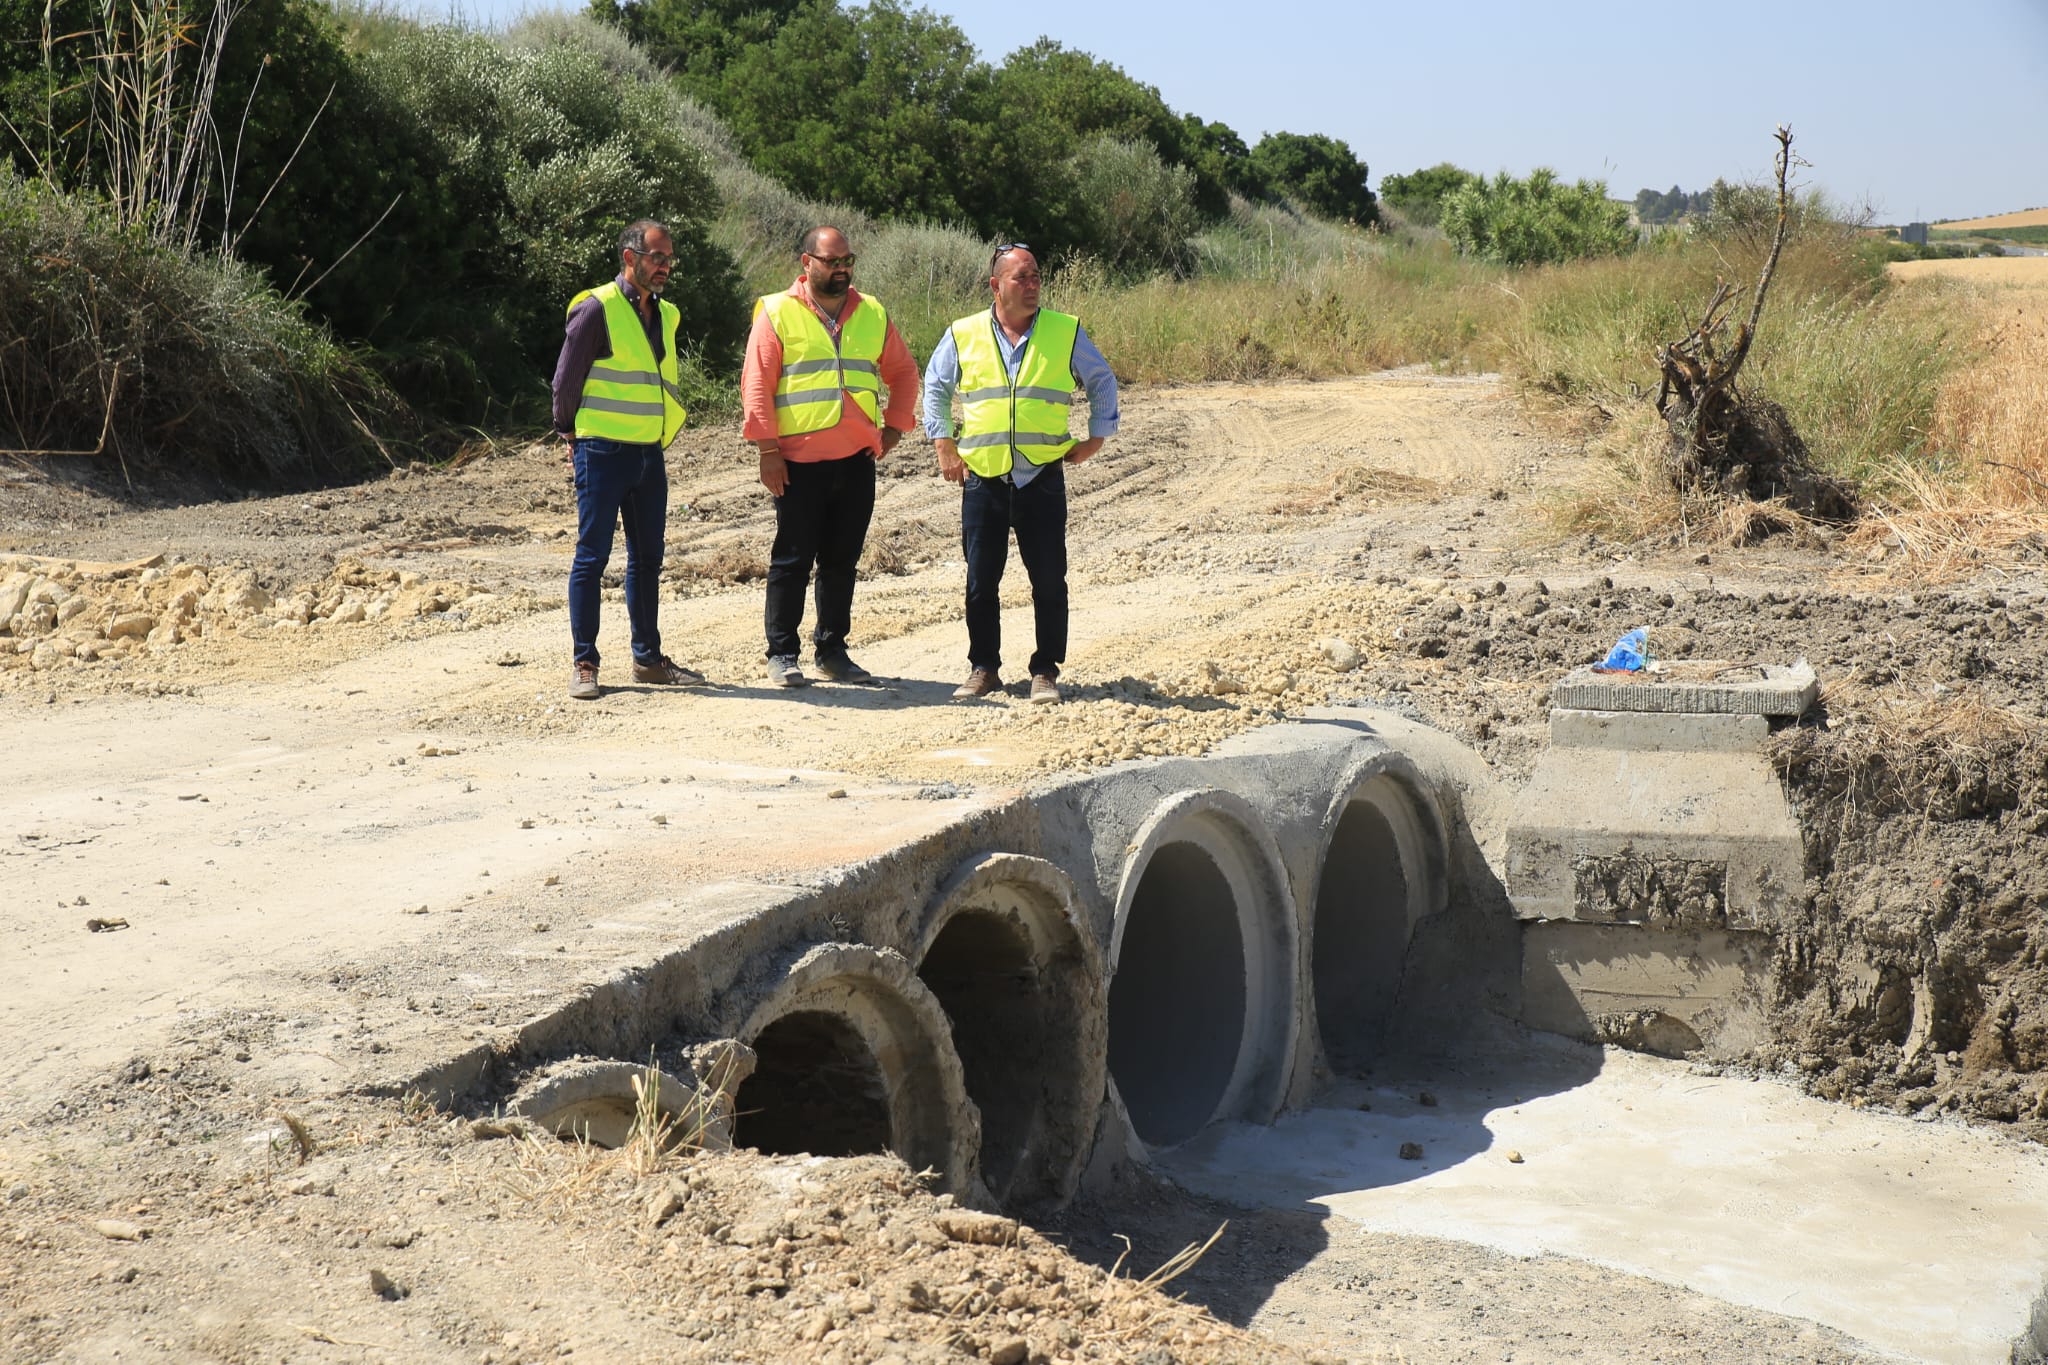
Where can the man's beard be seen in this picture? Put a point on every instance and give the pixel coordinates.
(833, 286)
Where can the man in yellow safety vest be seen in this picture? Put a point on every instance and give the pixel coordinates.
(818, 359)
(1015, 369)
(617, 403)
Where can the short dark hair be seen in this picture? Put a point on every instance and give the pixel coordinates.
(634, 238)
(809, 245)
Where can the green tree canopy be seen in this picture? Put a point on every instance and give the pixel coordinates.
(1319, 172)
(698, 39)
(1419, 195)
(880, 107)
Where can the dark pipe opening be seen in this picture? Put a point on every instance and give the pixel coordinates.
(1361, 937)
(815, 1088)
(981, 970)
(1177, 1004)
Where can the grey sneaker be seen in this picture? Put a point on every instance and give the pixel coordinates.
(783, 671)
(839, 668)
(980, 683)
(667, 670)
(583, 682)
(1044, 690)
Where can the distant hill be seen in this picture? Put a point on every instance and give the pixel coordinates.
(2025, 218)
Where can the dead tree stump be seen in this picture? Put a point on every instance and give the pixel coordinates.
(1732, 444)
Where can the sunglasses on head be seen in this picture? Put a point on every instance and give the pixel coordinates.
(833, 262)
(1003, 249)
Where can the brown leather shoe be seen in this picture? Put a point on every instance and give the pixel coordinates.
(980, 683)
(667, 670)
(1044, 690)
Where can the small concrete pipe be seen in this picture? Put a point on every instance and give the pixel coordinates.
(854, 1055)
(1006, 952)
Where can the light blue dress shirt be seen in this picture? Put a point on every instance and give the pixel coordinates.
(942, 381)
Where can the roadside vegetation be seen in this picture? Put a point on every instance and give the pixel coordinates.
(214, 267)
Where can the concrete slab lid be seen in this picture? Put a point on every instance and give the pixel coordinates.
(1694, 687)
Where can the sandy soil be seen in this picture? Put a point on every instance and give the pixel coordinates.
(307, 762)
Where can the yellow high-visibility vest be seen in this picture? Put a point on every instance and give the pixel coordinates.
(815, 371)
(999, 415)
(628, 397)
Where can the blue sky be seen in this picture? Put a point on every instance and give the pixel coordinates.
(1926, 111)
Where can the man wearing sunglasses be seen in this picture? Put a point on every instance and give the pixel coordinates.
(818, 359)
(617, 403)
(1015, 369)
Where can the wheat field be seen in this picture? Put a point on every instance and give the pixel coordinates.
(2024, 218)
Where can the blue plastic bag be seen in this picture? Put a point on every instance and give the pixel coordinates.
(1630, 653)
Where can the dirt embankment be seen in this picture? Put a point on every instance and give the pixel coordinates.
(1239, 553)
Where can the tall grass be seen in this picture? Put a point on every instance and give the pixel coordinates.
(1858, 365)
(1342, 315)
(115, 344)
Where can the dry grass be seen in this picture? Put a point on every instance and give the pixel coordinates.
(1982, 498)
(1996, 414)
(552, 1172)
(1888, 749)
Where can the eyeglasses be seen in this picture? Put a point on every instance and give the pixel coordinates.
(1003, 249)
(652, 257)
(833, 262)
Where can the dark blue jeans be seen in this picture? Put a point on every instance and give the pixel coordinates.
(617, 482)
(821, 518)
(990, 510)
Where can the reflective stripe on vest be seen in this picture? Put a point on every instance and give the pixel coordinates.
(815, 371)
(1000, 415)
(627, 396)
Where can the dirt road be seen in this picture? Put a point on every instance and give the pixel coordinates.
(311, 767)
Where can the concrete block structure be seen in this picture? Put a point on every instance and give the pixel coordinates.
(1653, 854)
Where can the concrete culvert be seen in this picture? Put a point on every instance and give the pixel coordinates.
(1201, 1004)
(1021, 984)
(853, 1054)
(1381, 872)
(816, 1088)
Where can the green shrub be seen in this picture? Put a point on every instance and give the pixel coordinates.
(1319, 172)
(1135, 212)
(191, 365)
(1535, 221)
(517, 166)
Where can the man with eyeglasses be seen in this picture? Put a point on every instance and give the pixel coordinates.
(818, 359)
(1015, 369)
(617, 403)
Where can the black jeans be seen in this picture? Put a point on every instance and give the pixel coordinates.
(990, 510)
(822, 519)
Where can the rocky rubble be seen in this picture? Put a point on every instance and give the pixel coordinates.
(70, 614)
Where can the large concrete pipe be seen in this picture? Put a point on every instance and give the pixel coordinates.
(1382, 869)
(1202, 1019)
(1004, 950)
(852, 1055)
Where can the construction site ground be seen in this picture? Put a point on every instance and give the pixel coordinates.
(298, 801)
